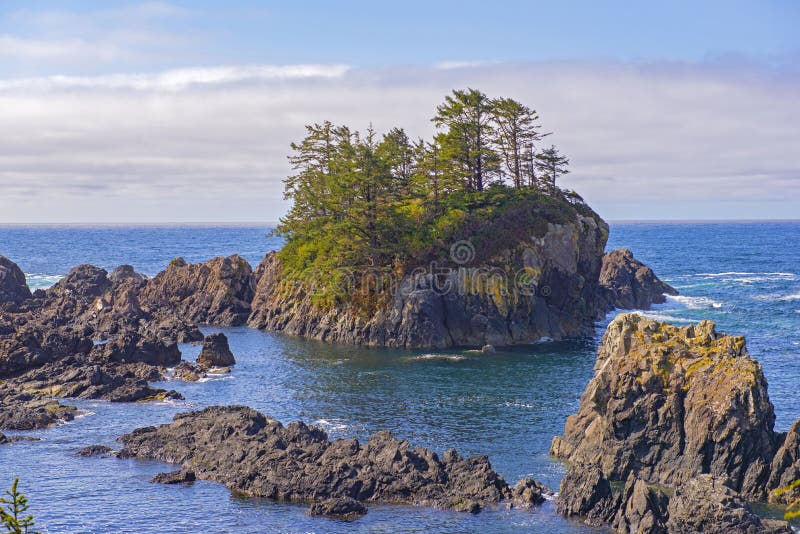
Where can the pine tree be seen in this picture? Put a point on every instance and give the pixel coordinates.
(467, 119)
(13, 516)
(516, 131)
(551, 164)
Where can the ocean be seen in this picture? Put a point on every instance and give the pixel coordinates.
(743, 275)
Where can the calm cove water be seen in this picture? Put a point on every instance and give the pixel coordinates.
(745, 276)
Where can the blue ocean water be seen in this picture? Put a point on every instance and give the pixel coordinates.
(745, 276)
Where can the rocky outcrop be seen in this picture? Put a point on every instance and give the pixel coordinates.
(701, 504)
(217, 292)
(667, 404)
(256, 455)
(180, 476)
(93, 451)
(629, 284)
(13, 286)
(785, 469)
(215, 352)
(340, 508)
(29, 410)
(706, 504)
(546, 286)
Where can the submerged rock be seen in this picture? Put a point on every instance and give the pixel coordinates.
(667, 404)
(339, 508)
(256, 455)
(181, 476)
(630, 284)
(92, 451)
(215, 352)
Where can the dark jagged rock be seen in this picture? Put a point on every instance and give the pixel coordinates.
(13, 286)
(181, 476)
(581, 491)
(216, 292)
(6, 440)
(546, 285)
(528, 493)
(133, 348)
(785, 469)
(667, 404)
(23, 410)
(630, 284)
(215, 352)
(339, 508)
(92, 451)
(701, 504)
(705, 504)
(94, 377)
(256, 455)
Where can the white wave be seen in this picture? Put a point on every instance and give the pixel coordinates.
(746, 277)
(329, 426)
(444, 357)
(215, 377)
(795, 296)
(517, 404)
(42, 281)
(664, 318)
(695, 303)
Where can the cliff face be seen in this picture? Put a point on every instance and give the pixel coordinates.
(546, 286)
(667, 404)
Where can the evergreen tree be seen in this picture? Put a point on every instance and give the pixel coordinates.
(551, 164)
(466, 117)
(516, 131)
(13, 514)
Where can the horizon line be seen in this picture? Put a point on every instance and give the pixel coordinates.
(275, 223)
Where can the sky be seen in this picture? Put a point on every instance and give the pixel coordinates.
(144, 112)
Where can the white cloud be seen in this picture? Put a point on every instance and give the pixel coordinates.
(654, 140)
(20, 48)
(176, 79)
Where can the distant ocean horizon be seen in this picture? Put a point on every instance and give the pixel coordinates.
(744, 275)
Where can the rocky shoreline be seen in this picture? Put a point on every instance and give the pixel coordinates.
(256, 455)
(95, 335)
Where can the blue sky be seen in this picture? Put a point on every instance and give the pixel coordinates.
(183, 111)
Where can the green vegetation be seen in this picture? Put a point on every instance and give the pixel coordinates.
(13, 513)
(388, 203)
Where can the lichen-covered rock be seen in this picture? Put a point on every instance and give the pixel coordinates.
(215, 352)
(667, 404)
(256, 455)
(705, 504)
(785, 469)
(216, 292)
(629, 283)
(13, 286)
(26, 410)
(545, 286)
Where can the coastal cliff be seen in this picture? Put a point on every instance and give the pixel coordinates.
(543, 285)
